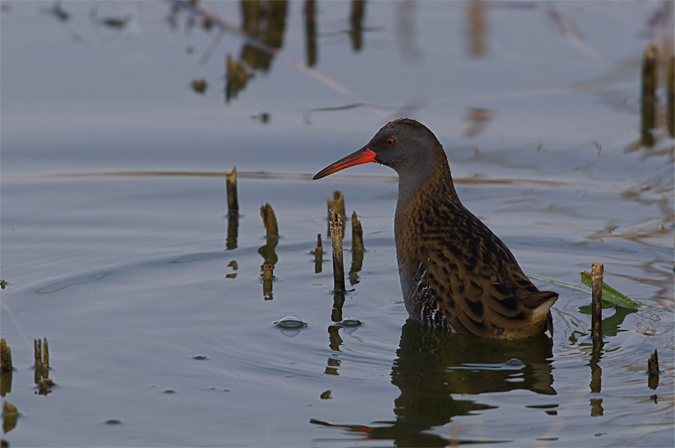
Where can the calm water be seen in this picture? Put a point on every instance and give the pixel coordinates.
(117, 246)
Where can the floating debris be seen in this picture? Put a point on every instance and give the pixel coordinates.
(200, 357)
(325, 395)
(290, 322)
(3, 283)
(113, 421)
(199, 85)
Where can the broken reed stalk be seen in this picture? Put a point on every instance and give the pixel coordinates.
(5, 357)
(37, 351)
(597, 272)
(338, 265)
(231, 184)
(337, 204)
(45, 356)
(318, 255)
(269, 220)
(357, 234)
(41, 351)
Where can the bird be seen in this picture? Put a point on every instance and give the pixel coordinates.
(455, 273)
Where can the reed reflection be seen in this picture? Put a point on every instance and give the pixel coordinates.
(334, 338)
(5, 383)
(477, 30)
(356, 31)
(232, 232)
(265, 22)
(357, 250)
(310, 32)
(610, 327)
(432, 367)
(268, 250)
(263, 25)
(596, 376)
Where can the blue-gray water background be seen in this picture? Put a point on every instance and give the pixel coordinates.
(117, 247)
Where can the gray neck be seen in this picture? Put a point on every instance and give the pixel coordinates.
(410, 181)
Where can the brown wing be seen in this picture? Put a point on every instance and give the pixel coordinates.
(475, 280)
(486, 300)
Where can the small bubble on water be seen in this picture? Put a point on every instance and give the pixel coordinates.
(514, 362)
(290, 322)
(351, 322)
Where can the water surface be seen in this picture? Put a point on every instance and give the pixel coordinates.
(117, 246)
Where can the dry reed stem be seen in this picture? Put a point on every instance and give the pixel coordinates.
(269, 220)
(597, 272)
(5, 357)
(338, 265)
(232, 200)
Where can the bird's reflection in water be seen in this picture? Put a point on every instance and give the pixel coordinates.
(432, 367)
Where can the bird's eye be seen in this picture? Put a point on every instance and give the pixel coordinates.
(390, 141)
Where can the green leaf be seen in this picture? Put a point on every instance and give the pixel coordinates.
(611, 295)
